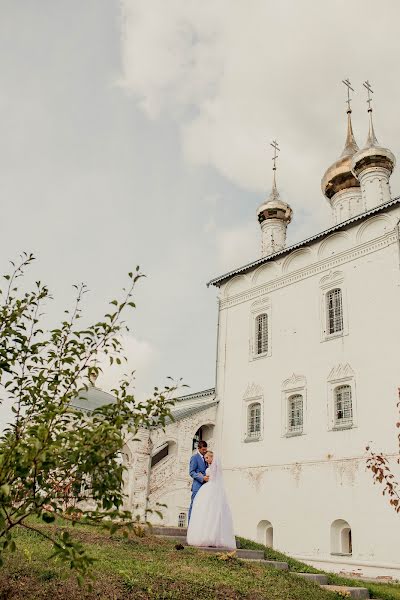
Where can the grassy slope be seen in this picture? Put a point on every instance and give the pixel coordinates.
(385, 591)
(144, 568)
(150, 568)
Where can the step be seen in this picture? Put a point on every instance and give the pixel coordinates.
(315, 577)
(352, 592)
(276, 564)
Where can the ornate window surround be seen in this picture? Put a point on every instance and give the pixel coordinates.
(334, 279)
(296, 384)
(262, 306)
(252, 395)
(341, 375)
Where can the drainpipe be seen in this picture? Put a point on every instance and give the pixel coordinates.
(397, 228)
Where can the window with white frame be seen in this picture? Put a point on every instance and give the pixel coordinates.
(334, 311)
(254, 420)
(295, 414)
(343, 406)
(261, 345)
(182, 519)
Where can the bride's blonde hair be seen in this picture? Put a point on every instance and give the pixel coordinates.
(210, 452)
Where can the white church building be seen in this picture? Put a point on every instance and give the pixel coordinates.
(308, 371)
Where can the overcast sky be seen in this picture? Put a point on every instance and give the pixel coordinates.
(137, 132)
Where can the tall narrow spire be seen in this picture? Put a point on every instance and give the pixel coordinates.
(274, 193)
(350, 146)
(371, 139)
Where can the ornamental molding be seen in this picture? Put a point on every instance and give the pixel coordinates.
(294, 382)
(331, 278)
(318, 267)
(263, 302)
(341, 372)
(253, 390)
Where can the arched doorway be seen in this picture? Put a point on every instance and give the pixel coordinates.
(205, 432)
(265, 533)
(341, 538)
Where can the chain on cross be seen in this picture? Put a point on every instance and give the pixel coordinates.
(348, 85)
(370, 91)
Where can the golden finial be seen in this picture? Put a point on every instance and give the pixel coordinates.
(350, 146)
(371, 140)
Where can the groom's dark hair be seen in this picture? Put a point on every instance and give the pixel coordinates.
(202, 444)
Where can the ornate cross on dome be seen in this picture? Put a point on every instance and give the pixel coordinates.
(276, 148)
(370, 91)
(348, 85)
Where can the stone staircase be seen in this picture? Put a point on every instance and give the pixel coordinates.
(179, 535)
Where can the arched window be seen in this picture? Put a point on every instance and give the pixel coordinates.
(343, 406)
(254, 420)
(262, 334)
(265, 533)
(334, 309)
(341, 538)
(295, 414)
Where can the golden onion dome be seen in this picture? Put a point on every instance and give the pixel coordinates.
(372, 155)
(274, 207)
(339, 176)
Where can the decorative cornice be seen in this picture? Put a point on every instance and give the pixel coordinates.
(332, 277)
(320, 266)
(253, 390)
(263, 302)
(294, 382)
(341, 372)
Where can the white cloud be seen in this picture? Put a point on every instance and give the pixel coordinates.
(235, 74)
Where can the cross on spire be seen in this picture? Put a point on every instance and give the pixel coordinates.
(276, 148)
(348, 85)
(370, 91)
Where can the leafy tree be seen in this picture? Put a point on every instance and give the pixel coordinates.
(54, 455)
(382, 472)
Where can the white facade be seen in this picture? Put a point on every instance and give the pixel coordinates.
(308, 371)
(302, 482)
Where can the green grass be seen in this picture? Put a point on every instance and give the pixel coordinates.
(152, 568)
(144, 568)
(384, 591)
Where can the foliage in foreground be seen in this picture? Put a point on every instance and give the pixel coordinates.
(57, 459)
(382, 470)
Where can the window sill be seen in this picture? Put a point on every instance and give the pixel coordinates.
(333, 336)
(341, 554)
(258, 356)
(291, 434)
(248, 440)
(343, 427)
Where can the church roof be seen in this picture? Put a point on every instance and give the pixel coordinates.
(202, 394)
(340, 226)
(92, 398)
(185, 412)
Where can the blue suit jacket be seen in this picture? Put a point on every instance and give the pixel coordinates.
(197, 470)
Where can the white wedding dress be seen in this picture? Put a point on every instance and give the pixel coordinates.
(211, 520)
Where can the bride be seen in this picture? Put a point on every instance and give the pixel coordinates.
(211, 520)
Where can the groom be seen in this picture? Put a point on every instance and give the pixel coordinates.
(197, 471)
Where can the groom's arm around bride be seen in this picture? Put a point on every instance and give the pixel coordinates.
(197, 471)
